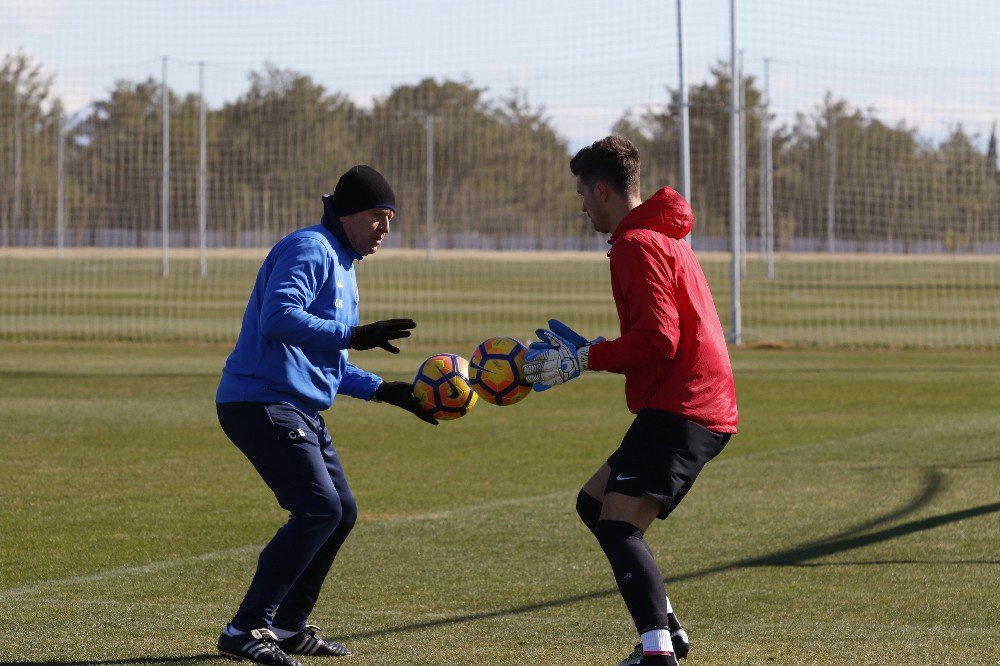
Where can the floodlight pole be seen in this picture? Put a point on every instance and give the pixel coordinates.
(743, 167)
(736, 332)
(16, 209)
(685, 136)
(831, 192)
(60, 185)
(429, 181)
(768, 171)
(202, 176)
(165, 174)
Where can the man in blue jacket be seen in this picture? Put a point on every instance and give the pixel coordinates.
(290, 361)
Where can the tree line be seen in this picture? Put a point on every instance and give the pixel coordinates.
(500, 168)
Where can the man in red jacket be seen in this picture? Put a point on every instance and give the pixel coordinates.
(678, 380)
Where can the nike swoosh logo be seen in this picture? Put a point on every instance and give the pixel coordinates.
(623, 478)
(341, 285)
(452, 389)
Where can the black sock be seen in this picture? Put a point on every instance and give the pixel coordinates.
(589, 509)
(639, 579)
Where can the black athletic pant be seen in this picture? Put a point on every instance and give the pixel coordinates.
(294, 455)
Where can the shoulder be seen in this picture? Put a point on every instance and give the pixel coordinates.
(306, 243)
(644, 252)
(639, 243)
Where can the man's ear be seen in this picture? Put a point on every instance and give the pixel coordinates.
(602, 191)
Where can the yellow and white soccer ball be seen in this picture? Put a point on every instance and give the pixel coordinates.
(442, 385)
(496, 371)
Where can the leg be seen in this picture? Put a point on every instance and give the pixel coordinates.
(651, 472)
(294, 611)
(620, 533)
(622, 508)
(284, 448)
(615, 506)
(590, 504)
(590, 500)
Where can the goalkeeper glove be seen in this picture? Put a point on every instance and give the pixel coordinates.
(379, 334)
(554, 361)
(581, 343)
(571, 336)
(401, 395)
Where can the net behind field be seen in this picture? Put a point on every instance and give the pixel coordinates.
(462, 297)
(877, 222)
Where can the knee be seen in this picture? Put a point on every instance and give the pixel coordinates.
(589, 509)
(322, 513)
(614, 534)
(348, 513)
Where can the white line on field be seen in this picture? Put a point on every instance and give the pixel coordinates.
(121, 572)
(154, 567)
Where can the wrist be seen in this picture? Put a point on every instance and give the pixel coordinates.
(583, 354)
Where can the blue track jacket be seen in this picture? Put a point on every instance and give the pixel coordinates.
(296, 330)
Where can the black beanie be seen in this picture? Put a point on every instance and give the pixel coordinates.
(361, 188)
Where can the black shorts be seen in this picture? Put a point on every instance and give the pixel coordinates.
(661, 456)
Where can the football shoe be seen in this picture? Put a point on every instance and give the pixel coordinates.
(259, 646)
(307, 642)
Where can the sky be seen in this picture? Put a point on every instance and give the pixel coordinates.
(933, 65)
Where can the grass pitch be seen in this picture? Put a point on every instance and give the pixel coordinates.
(855, 518)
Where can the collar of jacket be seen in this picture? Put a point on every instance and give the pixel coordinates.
(333, 225)
(666, 212)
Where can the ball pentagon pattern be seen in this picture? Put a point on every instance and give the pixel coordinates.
(496, 371)
(442, 386)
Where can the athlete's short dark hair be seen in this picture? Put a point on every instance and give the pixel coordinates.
(613, 160)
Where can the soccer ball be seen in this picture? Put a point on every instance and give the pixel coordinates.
(442, 386)
(498, 371)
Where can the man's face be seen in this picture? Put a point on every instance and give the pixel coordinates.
(365, 230)
(594, 204)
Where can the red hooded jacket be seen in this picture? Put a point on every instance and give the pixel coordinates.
(672, 350)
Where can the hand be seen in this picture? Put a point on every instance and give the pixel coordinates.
(379, 334)
(560, 362)
(566, 333)
(571, 336)
(401, 395)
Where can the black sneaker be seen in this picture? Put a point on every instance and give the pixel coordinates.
(635, 658)
(682, 645)
(259, 646)
(659, 660)
(307, 642)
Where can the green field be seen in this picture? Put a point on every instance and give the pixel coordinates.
(814, 300)
(855, 519)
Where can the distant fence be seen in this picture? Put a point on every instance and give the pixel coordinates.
(916, 301)
(130, 238)
(852, 180)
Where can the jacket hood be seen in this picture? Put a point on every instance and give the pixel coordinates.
(666, 212)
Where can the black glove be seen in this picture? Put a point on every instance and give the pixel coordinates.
(401, 395)
(379, 333)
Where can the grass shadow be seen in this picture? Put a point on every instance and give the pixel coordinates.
(856, 537)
